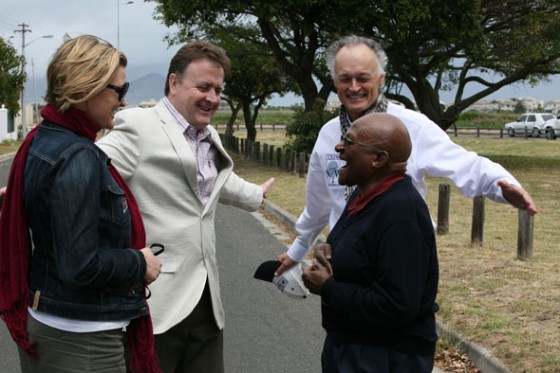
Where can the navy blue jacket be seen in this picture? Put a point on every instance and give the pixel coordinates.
(82, 265)
(385, 275)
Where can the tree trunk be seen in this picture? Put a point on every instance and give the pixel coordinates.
(249, 123)
(231, 120)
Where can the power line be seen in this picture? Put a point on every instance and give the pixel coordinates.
(6, 22)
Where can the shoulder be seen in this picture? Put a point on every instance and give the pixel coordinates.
(409, 117)
(135, 115)
(402, 199)
(62, 142)
(329, 136)
(419, 126)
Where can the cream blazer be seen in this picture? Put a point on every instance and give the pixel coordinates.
(152, 155)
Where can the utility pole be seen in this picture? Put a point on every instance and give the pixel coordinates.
(23, 30)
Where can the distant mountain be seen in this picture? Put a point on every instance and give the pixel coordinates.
(147, 87)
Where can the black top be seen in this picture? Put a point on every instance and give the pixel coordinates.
(385, 274)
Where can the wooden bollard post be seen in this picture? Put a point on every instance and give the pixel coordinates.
(279, 158)
(249, 149)
(301, 166)
(257, 151)
(270, 158)
(477, 232)
(443, 209)
(526, 223)
(265, 154)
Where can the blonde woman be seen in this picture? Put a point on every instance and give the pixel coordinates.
(67, 300)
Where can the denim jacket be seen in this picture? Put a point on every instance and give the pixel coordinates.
(82, 265)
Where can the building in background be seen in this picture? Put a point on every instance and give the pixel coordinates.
(7, 126)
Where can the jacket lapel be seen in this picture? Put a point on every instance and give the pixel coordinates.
(182, 148)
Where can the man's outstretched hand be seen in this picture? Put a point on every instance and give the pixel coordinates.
(518, 197)
(266, 185)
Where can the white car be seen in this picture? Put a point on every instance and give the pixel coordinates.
(534, 122)
(551, 128)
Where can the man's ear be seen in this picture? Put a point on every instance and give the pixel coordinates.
(173, 80)
(381, 159)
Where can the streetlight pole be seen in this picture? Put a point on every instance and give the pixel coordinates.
(23, 45)
(119, 21)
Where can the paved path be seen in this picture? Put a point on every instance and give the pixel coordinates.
(266, 331)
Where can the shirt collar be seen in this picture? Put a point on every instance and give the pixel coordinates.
(361, 200)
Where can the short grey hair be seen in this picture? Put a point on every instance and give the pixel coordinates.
(333, 49)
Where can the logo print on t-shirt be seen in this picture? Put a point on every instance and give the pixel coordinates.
(332, 172)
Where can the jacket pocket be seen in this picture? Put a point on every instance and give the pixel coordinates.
(119, 207)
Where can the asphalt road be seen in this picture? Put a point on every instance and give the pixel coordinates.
(266, 331)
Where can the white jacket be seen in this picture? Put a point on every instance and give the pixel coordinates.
(433, 154)
(156, 161)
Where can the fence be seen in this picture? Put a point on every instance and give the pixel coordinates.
(297, 163)
(499, 132)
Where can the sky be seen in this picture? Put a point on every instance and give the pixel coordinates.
(140, 37)
(137, 34)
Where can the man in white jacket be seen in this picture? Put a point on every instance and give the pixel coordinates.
(358, 65)
(178, 170)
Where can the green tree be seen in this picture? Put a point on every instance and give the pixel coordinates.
(11, 77)
(289, 29)
(433, 45)
(254, 76)
(519, 108)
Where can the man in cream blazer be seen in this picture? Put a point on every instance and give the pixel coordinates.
(178, 204)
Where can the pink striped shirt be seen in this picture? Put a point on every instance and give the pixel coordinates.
(206, 154)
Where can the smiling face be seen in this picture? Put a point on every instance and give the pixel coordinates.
(103, 106)
(357, 78)
(358, 169)
(196, 93)
(375, 145)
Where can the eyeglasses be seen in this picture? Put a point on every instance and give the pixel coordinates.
(121, 91)
(348, 142)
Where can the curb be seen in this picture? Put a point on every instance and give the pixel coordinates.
(5, 157)
(480, 356)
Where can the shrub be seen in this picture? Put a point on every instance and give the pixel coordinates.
(305, 126)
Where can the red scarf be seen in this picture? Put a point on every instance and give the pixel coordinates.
(15, 246)
(361, 200)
